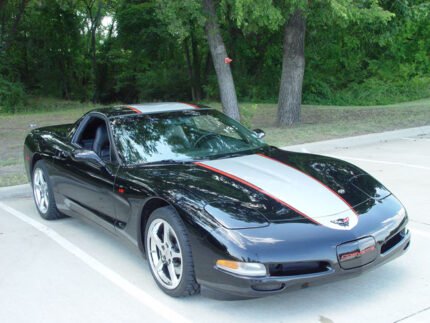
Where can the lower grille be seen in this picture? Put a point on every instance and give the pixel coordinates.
(298, 268)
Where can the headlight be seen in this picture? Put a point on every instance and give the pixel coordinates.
(253, 269)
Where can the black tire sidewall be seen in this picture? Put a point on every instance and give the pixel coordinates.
(169, 215)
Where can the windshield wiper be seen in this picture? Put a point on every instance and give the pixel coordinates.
(167, 162)
(236, 153)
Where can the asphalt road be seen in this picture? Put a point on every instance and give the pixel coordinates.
(69, 271)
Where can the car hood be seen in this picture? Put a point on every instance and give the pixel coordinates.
(277, 186)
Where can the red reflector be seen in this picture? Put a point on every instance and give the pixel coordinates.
(121, 190)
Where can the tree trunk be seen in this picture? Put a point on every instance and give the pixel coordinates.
(94, 64)
(3, 23)
(196, 68)
(193, 66)
(95, 20)
(190, 70)
(293, 68)
(3, 19)
(219, 53)
(15, 24)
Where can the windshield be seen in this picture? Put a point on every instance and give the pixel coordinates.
(180, 136)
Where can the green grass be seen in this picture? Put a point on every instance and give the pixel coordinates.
(322, 122)
(8, 162)
(329, 122)
(13, 179)
(42, 105)
(318, 123)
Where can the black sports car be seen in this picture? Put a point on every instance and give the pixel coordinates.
(210, 204)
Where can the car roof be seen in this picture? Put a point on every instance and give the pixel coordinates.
(146, 108)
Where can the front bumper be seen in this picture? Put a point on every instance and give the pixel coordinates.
(226, 285)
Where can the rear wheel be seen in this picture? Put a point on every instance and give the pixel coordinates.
(43, 194)
(169, 253)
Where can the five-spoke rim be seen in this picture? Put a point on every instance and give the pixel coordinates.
(164, 253)
(40, 189)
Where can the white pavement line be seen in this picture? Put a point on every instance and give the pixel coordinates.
(420, 232)
(412, 315)
(109, 274)
(381, 162)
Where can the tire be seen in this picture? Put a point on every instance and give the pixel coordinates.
(176, 253)
(41, 185)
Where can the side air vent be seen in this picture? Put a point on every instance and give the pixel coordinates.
(393, 241)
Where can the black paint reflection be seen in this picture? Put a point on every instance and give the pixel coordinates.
(180, 136)
(348, 181)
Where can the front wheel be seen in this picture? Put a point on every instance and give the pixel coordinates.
(169, 253)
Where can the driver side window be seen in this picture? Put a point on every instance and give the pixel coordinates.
(94, 136)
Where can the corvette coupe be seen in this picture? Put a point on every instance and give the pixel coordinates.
(209, 204)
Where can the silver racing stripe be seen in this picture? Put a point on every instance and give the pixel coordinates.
(289, 186)
(161, 107)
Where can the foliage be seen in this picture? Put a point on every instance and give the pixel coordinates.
(374, 91)
(357, 52)
(181, 18)
(12, 96)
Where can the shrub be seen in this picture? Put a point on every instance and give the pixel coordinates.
(373, 91)
(12, 96)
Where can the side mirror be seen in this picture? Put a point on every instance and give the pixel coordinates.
(259, 133)
(87, 156)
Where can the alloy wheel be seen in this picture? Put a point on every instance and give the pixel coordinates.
(40, 190)
(164, 253)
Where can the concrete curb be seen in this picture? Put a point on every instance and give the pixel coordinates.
(24, 190)
(348, 142)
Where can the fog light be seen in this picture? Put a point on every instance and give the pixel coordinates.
(242, 268)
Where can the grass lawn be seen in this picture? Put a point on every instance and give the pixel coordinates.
(318, 123)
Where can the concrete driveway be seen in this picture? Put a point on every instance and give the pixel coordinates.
(69, 271)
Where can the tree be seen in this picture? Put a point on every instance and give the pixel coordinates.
(222, 69)
(94, 11)
(15, 23)
(186, 20)
(292, 15)
(357, 52)
(194, 62)
(293, 69)
(293, 63)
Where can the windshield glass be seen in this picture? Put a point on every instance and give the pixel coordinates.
(180, 136)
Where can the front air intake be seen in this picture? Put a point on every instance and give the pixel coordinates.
(298, 268)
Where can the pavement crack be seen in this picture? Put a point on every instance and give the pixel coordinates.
(413, 314)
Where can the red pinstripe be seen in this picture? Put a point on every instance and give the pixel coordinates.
(192, 105)
(134, 109)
